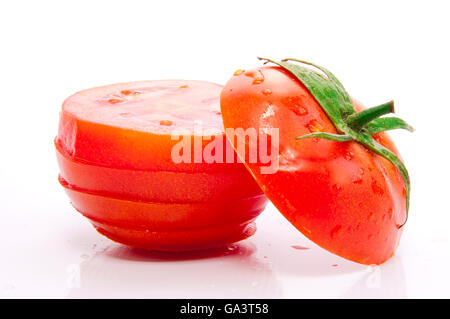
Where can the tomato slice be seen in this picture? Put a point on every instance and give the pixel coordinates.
(165, 186)
(168, 226)
(342, 196)
(133, 125)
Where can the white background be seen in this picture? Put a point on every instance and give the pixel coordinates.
(380, 50)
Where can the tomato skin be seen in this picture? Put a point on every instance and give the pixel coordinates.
(340, 195)
(168, 226)
(165, 186)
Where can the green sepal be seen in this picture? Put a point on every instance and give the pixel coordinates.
(387, 123)
(328, 136)
(351, 125)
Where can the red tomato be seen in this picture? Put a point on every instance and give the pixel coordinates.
(114, 148)
(169, 226)
(165, 186)
(342, 196)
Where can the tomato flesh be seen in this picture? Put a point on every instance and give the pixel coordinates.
(339, 194)
(136, 132)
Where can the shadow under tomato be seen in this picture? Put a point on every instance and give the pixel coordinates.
(123, 272)
(142, 255)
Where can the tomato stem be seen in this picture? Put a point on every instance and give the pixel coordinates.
(359, 119)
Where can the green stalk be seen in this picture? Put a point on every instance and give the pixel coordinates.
(358, 120)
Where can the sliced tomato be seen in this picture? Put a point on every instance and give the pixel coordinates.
(134, 125)
(342, 196)
(168, 226)
(166, 186)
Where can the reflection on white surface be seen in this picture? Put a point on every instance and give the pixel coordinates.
(120, 271)
(269, 265)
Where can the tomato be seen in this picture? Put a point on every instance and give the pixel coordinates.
(115, 152)
(166, 186)
(340, 195)
(169, 226)
(131, 125)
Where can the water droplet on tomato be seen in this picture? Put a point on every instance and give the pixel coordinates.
(237, 72)
(348, 156)
(258, 80)
(115, 100)
(337, 187)
(267, 92)
(250, 73)
(165, 122)
(314, 126)
(298, 247)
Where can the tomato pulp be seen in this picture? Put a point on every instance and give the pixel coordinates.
(342, 196)
(115, 151)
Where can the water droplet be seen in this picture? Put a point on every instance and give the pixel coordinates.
(250, 74)
(348, 156)
(258, 80)
(136, 93)
(115, 100)
(298, 247)
(237, 72)
(295, 104)
(314, 126)
(165, 122)
(267, 92)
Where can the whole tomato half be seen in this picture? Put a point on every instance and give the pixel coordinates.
(337, 191)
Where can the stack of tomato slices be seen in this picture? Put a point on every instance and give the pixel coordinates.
(115, 152)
